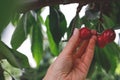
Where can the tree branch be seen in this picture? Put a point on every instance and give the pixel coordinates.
(37, 4)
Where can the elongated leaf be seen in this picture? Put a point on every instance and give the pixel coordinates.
(57, 24)
(7, 8)
(41, 19)
(112, 56)
(19, 34)
(37, 43)
(15, 19)
(5, 51)
(108, 57)
(14, 57)
(53, 46)
(54, 24)
(115, 48)
(102, 59)
(63, 24)
(22, 30)
(21, 59)
(30, 22)
(75, 23)
(108, 22)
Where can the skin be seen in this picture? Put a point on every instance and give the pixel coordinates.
(74, 61)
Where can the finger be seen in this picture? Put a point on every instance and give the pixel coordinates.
(82, 48)
(72, 43)
(88, 56)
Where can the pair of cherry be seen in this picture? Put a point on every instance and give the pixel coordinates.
(103, 39)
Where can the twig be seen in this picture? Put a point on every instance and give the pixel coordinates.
(37, 4)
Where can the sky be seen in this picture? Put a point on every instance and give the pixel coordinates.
(69, 12)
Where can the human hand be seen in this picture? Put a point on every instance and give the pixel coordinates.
(74, 61)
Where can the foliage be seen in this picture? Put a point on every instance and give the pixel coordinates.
(30, 23)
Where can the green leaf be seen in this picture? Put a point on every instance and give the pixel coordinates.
(5, 51)
(7, 8)
(57, 24)
(53, 46)
(102, 59)
(30, 22)
(22, 30)
(108, 22)
(21, 59)
(37, 42)
(75, 23)
(15, 19)
(63, 24)
(41, 19)
(14, 57)
(112, 55)
(19, 34)
(108, 57)
(115, 48)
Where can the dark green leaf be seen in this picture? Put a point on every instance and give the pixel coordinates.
(37, 43)
(14, 57)
(54, 24)
(108, 22)
(7, 8)
(15, 19)
(21, 59)
(5, 51)
(30, 22)
(102, 59)
(115, 49)
(53, 46)
(75, 23)
(112, 53)
(22, 30)
(19, 34)
(57, 24)
(63, 24)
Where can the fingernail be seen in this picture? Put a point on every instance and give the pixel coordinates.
(75, 31)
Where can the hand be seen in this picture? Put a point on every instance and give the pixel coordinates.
(74, 61)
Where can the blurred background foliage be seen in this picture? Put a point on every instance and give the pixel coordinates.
(46, 45)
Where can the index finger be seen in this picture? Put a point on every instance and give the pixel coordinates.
(72, 43)
(88, 56)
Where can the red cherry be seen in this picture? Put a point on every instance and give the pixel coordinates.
(85, 33)
(106, 37)
(100, 41)
(109, 35)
